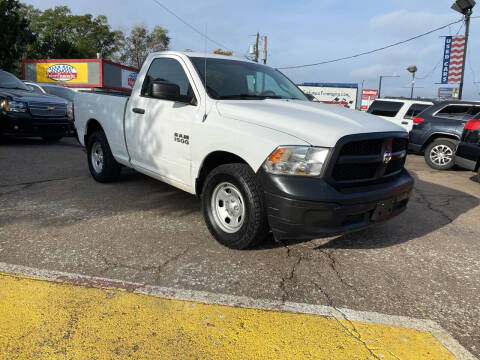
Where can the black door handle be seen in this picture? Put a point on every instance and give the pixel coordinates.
(138, 111)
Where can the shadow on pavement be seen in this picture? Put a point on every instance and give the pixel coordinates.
(431, 207)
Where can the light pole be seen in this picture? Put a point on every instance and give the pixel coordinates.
(380, 83)
(464, 7)
(413, 69)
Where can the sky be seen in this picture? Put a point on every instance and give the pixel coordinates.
(308, 31)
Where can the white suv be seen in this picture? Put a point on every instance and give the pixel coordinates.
(399, 111)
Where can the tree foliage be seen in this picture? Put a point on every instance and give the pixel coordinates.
(222, 52)
(134, 48)
(56, 33)
(14, 35)
(60, 34)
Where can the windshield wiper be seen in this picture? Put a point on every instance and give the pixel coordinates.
(249, 96)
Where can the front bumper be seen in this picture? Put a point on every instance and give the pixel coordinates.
(305, 208)
(23, 124)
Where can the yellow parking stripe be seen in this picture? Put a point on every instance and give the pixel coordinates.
(40, 319)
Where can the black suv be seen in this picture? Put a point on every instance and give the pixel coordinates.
(25, 113)
(437, 131)
(468, 151)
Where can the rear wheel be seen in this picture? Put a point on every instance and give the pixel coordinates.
(233, 207)
(102, 164)
(439, 154)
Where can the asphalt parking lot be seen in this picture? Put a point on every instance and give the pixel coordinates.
(423, 264)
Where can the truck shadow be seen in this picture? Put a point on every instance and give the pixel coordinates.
(431, 208)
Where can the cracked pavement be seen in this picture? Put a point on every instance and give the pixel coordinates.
(424, 263)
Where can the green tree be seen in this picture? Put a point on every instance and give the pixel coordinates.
(14, 35)
(60, 34)
(134, 48)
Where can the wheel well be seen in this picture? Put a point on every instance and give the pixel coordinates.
(212, 161)
(92, 126)
(440, 137)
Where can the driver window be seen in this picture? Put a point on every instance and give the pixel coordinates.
(166, 69)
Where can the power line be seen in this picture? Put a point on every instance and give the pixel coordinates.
(371, 51)
(191, 26)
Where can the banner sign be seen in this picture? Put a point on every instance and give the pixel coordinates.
(448, 93)
(453, 58)
(69, 73)
(332, 93)
(128, 78)
(368, 96)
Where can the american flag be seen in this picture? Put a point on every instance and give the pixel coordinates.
(453, 59)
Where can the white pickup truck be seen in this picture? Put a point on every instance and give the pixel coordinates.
(259, 155)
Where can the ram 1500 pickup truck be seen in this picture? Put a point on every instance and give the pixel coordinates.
(247, 141)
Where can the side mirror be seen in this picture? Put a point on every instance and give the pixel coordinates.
(165, 90)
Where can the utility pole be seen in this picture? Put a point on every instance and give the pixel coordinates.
(380, 86)
(265, 49)
(256, 48)
(380, 83)
(467, 30)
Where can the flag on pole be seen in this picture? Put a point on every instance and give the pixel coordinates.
(453, 59)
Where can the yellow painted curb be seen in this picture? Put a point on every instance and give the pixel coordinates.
(40, 319)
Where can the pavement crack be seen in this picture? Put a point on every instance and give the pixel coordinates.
(290, 274)
(333, 265)
(423, 199)
(31, 183)
(353, 332)
(162, 266)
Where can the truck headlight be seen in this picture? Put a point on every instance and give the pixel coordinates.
(297, 160)
(14, 106)
(70, 111)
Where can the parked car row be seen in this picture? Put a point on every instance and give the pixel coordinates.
(24, 112)
(446, 133)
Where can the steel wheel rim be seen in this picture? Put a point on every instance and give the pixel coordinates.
(228, 207)
(441, 155)
(96, 157)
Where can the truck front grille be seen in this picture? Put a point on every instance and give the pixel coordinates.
(368, 158)
(47, 110)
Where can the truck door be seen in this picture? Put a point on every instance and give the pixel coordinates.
(157, 131)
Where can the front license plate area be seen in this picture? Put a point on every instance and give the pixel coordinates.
(383, 209)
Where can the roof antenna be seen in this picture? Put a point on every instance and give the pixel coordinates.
(205, 75)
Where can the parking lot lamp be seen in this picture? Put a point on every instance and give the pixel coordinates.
(464, 7)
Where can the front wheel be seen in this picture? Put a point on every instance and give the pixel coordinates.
(102, 164)
(233, 206)
(439, 154)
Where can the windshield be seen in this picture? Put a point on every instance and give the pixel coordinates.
(62, 92)
(10, 81)
(233, 79)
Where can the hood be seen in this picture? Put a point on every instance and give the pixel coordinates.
(29, 96)
(316, 123)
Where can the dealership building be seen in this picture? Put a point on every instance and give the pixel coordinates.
(81, 74)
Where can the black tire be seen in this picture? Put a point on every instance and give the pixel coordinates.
(110, 169)
(254, 228)
(436, 163)
(52, 138)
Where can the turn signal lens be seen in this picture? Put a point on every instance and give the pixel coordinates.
(418, 120)
(473, 124)
(297, 160)
(277, 155)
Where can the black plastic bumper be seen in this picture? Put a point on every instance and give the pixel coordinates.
(23, 124)
(305, 208)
